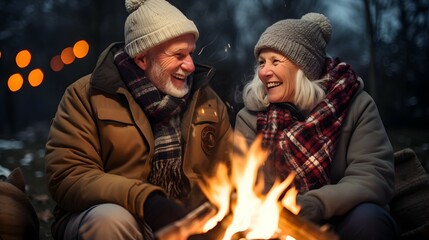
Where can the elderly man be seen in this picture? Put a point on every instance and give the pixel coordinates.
(130, 140)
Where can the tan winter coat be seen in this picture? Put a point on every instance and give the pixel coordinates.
(101, 143)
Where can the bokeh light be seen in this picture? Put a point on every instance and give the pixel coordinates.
(67, 55)
(15, 82)
(81, 49)
(56, 63)
(35, 77)
(23, 58)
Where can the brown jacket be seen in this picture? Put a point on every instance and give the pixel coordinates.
(101, 143)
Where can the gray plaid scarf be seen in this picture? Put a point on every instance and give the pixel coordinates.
(164, 115)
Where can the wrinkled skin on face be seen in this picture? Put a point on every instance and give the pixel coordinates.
(169, 64)
(278, 75)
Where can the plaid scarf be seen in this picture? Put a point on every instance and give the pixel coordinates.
(164, 115)
(306, 145)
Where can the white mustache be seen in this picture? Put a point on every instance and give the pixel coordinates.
(182, 73)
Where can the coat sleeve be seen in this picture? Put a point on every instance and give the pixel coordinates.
(363, 167)
(74, 167)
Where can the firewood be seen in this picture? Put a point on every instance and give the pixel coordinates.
(302, 229)
(190, 227)
(191, 224)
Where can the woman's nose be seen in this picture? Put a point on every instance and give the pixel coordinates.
(265, 72)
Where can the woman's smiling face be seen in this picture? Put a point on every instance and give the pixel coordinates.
(278, 75)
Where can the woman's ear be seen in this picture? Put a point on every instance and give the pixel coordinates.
(141, 61)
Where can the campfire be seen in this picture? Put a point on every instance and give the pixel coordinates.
(240, 208)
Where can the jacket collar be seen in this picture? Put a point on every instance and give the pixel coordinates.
(106, 76)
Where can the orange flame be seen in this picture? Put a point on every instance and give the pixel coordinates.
(241, 194)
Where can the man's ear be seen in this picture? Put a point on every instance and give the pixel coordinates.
(141, 60)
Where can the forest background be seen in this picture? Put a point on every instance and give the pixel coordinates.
(386, 42)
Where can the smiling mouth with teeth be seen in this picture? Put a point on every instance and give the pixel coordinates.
(181, 77)
(273, 84)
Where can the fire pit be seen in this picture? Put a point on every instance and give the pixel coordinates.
(239, 209)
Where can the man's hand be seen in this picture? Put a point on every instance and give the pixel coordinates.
(160, 211)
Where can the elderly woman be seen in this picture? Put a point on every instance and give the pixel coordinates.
(313, 113)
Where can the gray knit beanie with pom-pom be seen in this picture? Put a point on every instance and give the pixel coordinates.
(152, 22)
(303, 41)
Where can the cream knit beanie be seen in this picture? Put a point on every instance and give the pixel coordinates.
(302, 41)
(152, 22)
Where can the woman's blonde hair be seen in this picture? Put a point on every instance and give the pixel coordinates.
(307, 93)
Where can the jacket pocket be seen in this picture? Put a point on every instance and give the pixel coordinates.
(114, 116)
(207, 113)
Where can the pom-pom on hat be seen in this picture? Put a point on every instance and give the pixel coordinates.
(152, 22)
(303, 41)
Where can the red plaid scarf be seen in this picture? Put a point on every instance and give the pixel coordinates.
(164, 116)
(307, 145)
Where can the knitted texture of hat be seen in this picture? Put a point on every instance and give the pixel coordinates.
(303, 41)
(152, 22)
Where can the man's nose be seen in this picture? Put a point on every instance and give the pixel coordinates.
(188, 64)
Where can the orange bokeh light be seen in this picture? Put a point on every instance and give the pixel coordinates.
(81, 48)
(23, 58)
(35, 77)
(56, 63)
(67, 55)
(15, 82)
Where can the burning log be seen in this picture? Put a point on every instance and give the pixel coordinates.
(300, 228)
(191, 224)
(292, 226)
(289, 225)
